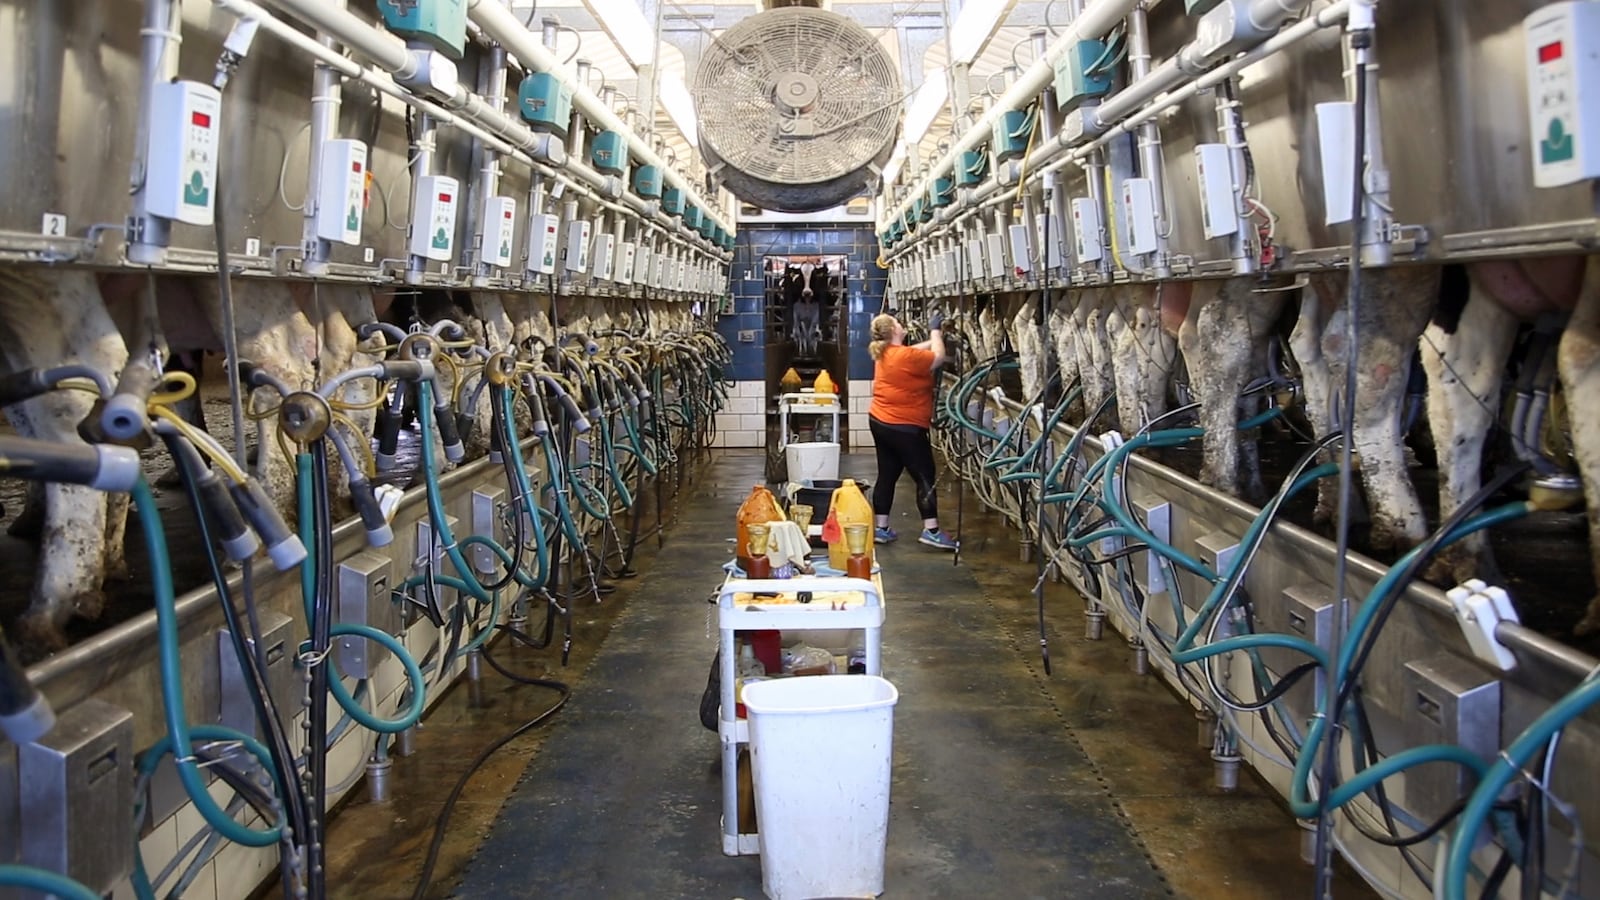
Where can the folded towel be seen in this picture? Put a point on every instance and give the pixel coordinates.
(786, 544)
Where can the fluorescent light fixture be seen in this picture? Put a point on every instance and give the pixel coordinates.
(680, 106)
(897, 159)
(974, 25)
(925, 106)
(626, 25)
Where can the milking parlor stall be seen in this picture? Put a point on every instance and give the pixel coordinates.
(343, 342)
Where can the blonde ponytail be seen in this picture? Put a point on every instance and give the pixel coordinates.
(882, 329)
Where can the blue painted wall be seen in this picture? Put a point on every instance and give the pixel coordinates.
(865, 295)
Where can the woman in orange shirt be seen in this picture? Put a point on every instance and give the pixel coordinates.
(900, 416)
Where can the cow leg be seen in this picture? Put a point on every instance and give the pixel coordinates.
(1578, 359)
(1158, 354)
(1395, 307)
(1316, 375)
(29, 523)
(46, 319)
(1124, 359)
(1465, 361)
(273, 333)
(1029, 341)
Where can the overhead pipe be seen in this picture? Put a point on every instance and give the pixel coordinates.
(1097, 19)
(461, 108)
(1252, 21)
(147, 235)
(1040, 160)
(492, 81)
(326, 97)
(503, 25)
(1149, 141)
(1328, 16)
(1161, 87)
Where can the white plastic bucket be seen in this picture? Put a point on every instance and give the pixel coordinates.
(811, 461)
(821, 747)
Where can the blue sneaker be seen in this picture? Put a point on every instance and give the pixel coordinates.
(883, 534)
(937, 540)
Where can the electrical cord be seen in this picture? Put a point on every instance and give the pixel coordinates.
(1360, 42)
(443, 820)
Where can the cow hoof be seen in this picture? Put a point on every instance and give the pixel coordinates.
(29, 524)
(1591, 622)
(89, 605)
(38, 634)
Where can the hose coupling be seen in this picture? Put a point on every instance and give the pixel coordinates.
(305, 417)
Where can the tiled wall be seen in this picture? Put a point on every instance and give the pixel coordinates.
(860, 398)
(865, 286)
(743, 422)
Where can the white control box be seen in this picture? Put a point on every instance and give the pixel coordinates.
(1021, 254)
(641, 265)
(1563, 42)
(625, 263)
(433, 221)
(1086, 226)
(1052, 241)
(341, 190)
(542, 244)
(1336, 139)
(997, 255)
(604, 244)
(181, 167)
(682, 275)
(1219, 215)
(659, 279)
(499, 229)
(976, 267)
(577, 255)
(1139, 214)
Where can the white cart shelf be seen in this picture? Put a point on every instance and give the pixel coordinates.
(837, 603)
(806, 404)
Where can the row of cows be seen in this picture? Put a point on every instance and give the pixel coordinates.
(300, 333)
(1129, 340)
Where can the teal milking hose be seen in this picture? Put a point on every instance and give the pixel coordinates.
(308, 591)
(45, 882)
(178, 730)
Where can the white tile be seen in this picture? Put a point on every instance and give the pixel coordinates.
(160, 846)
(744, 405)
(755, 422)
(204, 886)
(752, 389)
(744, 439)
(389, 678)
(239, 870)
(720, 439)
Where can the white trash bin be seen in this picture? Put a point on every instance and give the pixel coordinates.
(811, 461)
(821, 747)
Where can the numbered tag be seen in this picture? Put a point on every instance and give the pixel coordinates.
(54, 225)
(252, 246)
(367, 255)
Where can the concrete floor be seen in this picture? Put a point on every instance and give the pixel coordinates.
(1087, 782)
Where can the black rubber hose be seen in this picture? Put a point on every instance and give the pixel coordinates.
(268, 717)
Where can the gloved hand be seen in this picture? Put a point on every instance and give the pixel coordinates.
(935, 320)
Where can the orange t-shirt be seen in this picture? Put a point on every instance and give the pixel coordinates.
(902, 390)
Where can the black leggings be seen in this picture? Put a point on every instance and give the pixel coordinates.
(900, 449)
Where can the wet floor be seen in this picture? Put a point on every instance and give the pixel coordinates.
(1085, 782)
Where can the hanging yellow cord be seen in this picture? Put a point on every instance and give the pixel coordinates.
(461, 380)
(200, 440)
(1111, 224)
(1022, 173)
(360, 441)
(184, 390)
(78, 384)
